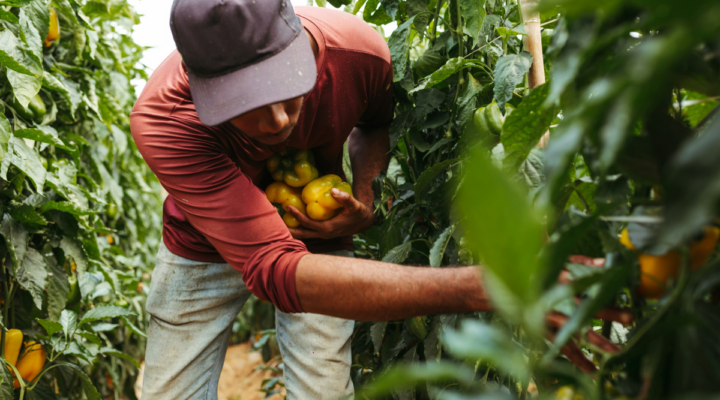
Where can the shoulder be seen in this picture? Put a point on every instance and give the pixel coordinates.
(344, 31)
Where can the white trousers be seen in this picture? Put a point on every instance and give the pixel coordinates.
(193, 305)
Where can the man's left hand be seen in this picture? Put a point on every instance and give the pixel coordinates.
(353, 218)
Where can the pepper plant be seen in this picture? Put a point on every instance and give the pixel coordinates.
(630, 104)
(81, 212)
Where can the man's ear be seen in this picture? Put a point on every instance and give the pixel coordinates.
(184, 67)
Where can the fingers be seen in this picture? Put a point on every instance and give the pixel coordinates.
(303, 233)
(575, 355)
(555, 320)
(615, 314)
(304, 219)
(602, 342)
(587, 261)
(350, 203)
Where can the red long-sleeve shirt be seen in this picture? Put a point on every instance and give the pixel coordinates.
(216, 211)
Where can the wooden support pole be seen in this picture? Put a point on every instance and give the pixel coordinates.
(533, 44)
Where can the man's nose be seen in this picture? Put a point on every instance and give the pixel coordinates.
(274, 120)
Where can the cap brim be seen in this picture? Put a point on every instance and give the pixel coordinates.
(284, 76)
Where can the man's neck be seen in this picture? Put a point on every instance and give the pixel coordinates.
(313, 43)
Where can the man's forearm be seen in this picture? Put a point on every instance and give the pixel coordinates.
(367, 290)
(368, 150)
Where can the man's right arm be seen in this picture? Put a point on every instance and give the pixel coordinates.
(366, 290)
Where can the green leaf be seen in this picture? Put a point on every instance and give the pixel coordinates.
(91, 337)
(390, 6)
(66, 207)
(6, 383)
(134, 329)
(27, 215)
(90, 391)
(68, 320)
(399, 43)
(8, 16)
(503, 31)
(71, 94)
(73, 250)
(14, 58)
(410, 375)
(117, 353)
(501, 226)
(104, 327)
(58, 288)
(564, 143)
(27, 160)
(30, 32)
(17, 3)
(473, 12)
(613, 280)
(104, 312)
(509, 72)
(467, 102)
(478, 341)
(429, 62)
(438, 248)
(451, 67)
(377, 334)
(5, 135)
(42, 134)
(524, 127)
(16, 240)
(32, 276)
(429, 174)
(25, 87)
(374, 13)
(691, 189)
(51, 327)
(398, 254)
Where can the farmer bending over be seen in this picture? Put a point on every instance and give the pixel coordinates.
(251, 78)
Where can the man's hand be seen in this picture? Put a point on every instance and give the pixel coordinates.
(353, 218)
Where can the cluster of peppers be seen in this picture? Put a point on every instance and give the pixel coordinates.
(657, 270)
(489, 120)
(297, 184)
(31, 361)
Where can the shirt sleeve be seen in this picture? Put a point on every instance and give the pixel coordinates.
(224, 205)
(379, 112)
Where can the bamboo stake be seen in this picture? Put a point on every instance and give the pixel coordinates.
(533, 44)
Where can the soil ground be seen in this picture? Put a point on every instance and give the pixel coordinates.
(240, 378)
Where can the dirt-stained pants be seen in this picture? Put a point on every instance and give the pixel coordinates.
(193, 305)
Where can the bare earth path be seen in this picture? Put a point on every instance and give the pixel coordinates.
(239, 379)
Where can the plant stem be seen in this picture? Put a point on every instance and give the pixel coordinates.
(438, 5)
(459, 29)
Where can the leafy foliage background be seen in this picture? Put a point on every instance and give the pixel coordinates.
(631, 107)
(78, 202)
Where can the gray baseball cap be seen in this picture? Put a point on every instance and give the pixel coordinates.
(241, 54)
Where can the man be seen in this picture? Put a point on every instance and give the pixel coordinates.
(253, 79)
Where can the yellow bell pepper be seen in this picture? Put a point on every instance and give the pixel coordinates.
(656, 271)
(292, 166)
(54, 30)
(285, 195)
(320, 203)
(31, 363)
(13, 342)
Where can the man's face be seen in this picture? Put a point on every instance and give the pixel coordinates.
(271, 124)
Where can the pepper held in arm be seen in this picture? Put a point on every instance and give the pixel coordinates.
(285, 195)
(320, 203)
(294, 167)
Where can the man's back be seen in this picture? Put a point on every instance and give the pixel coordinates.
(353, 87)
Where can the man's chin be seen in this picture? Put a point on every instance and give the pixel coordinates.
(273, 140)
